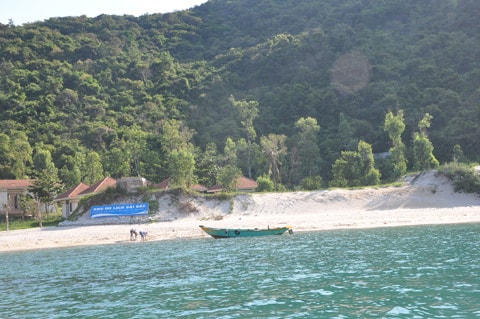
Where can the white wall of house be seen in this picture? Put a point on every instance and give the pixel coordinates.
(3, 198)
(68, 207)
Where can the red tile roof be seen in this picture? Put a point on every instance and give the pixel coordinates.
(100, 186)
(164, 184)
(243, 183)
(15, 183)
(73, 192)
(246, 183)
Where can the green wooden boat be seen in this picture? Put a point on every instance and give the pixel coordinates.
(243, 232)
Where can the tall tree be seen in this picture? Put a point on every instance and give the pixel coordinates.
(93, 170)
(355, 168)
(208, 165)
(346, 134)
(248, 111)
(369, 174)
(136, 145)
(21, 152)
(47, 184)
(230, 152)
(175, 140)
(228, 176)
(274, 148)
(458, 156)
(5, 157)
(395, 126)
(175, 136)
(423, 148)
(307, 144)
(182, 167)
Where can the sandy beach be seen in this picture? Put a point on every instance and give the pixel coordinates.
(427, 199)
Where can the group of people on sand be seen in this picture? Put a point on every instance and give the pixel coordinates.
(134, 234)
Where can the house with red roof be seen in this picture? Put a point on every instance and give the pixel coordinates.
(11, 191)
(70, 199)
(244, 184)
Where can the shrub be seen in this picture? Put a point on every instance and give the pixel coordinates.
(312, 183)
(464, 177)
(265, 184)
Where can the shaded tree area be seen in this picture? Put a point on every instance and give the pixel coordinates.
(124, 95)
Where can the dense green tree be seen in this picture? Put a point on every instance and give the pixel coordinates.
(47, 184)
(346, 134)
(265, 184)
(21, 152)
(136, 141)
(230, 152)
(355, 168)
(306, 141)
(93, 169)
(458, 156)
(248, 111)
(117, 160)
(175, 136)
(5, 156)
(395, 126)
(423, 158)
(312, 183)
(181, 166)
(228, 177)
(369, 174)
(274, 148)
(346, 170)
(208, 165)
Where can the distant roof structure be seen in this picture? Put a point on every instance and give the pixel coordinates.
(164, 184)
(16, 183)
(244, 184)
(100, 186)
(73, 192)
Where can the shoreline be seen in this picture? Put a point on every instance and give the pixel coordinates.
(187, 228)
(427, 199)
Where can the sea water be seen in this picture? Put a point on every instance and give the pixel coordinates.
(407, 272)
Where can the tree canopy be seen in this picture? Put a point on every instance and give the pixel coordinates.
(125, 95)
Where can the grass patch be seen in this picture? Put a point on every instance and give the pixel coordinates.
(16, 224)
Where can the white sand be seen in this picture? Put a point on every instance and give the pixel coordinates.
(428, 199)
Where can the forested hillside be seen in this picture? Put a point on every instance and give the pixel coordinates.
(275, 89)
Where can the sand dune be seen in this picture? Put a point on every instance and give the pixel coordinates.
(422, 200)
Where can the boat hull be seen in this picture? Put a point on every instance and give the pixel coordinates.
(239, 232)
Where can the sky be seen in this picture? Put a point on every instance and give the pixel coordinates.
(26, 11)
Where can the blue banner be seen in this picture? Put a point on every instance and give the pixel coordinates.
(119, 210)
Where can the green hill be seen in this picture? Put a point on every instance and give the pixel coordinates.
(107, 89)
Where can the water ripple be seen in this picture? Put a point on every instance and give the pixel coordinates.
(411, 272)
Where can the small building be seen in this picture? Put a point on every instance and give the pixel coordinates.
(11, 191)
(70, 199)
(244, 184)
(131, 184)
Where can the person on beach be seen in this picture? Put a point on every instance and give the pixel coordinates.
(133, 234)
(143, 235)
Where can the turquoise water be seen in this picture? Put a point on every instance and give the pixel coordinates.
(408, 272)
